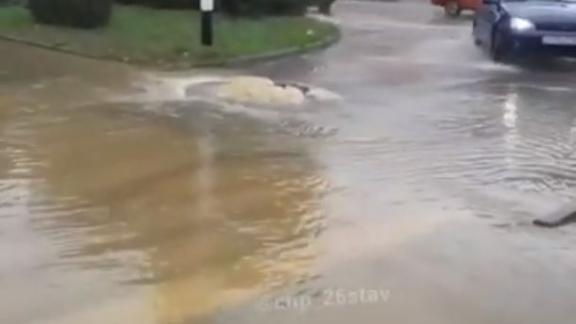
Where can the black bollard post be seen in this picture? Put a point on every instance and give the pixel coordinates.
(207, 23)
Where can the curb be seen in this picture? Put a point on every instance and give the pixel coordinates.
(322, 44)
(243, 60)
(57, 49)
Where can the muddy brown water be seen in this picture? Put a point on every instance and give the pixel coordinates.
(126, 197)
(109, 214)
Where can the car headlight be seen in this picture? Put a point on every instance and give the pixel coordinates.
(521, 24)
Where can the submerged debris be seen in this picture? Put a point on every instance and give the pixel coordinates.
(562, 217)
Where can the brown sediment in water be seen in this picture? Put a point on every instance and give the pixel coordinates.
(125, 217)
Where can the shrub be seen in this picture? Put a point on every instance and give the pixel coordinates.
(325, 6)
(10, 2)
(164, 4)
(234, 7)
(264, 7)
(72, 13)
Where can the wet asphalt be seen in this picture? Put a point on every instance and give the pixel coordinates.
(449, 158)
(136, 197)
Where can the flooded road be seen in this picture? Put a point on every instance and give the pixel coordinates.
(136, 197)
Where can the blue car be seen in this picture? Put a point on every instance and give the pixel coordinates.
(509, 28)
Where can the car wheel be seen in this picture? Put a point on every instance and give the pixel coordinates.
(452, 9)
(477, 40)
(499, 51)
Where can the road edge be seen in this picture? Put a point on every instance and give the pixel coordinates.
(326, 42)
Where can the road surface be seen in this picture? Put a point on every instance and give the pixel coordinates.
(135, 197)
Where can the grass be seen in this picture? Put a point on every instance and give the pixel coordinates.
(168, 38)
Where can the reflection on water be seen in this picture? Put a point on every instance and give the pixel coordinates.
(132, 218)
(509, 119)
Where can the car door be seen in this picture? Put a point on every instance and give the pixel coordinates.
(485, 19)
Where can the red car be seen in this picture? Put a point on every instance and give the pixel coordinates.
(453, 8)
